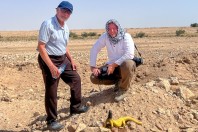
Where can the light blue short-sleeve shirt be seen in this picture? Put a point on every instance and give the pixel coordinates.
(54, 36)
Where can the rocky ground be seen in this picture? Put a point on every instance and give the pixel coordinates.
(164, 94)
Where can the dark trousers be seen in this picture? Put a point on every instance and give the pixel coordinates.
(69, 76)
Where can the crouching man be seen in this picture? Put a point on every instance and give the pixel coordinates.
(120, 67)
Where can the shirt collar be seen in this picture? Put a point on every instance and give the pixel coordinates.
(57, 23)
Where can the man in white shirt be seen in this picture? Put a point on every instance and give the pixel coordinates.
(121, 67)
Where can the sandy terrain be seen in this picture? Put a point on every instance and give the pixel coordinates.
(164, 94)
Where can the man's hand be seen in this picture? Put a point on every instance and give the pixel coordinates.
(74, 67)
(111, 68)
(43, 53)
(54, 71)
(95, 71)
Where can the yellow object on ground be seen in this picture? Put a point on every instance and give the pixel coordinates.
(121, 122)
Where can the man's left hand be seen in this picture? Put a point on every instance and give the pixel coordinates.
(74, 67)
(111, 68)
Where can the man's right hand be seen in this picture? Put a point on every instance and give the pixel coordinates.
(54, 71)
(95, 71)
(43, 53)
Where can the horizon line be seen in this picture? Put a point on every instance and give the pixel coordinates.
(103, 28)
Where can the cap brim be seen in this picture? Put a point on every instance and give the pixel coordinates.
(65, 8)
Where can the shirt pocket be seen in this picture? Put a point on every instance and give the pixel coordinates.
(53, 37)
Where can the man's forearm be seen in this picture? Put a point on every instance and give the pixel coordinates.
(69, 55)
(44, 55)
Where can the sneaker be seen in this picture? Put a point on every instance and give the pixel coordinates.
(120, 95)
(54, 125)
(81, 109)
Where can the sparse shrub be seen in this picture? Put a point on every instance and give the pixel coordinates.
(194, 25)
(32, 38)
(84, 34)
(18, 38)
(73, 35)
(140, 35)
(180, 32)
(92, 34)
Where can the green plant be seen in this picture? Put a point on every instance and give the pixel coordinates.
(92, 34)
(18, 38)
(194, 25)
(180, 32)
(140, 35)
(84, 34)
(73, 35)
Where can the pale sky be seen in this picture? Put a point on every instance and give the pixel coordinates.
(93, 14)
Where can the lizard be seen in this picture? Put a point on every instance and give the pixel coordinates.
(121, 122)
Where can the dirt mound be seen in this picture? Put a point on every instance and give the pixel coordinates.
(181, 65)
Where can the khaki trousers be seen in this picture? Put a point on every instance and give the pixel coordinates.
(123, 76)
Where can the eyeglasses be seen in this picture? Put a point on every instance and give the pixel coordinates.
(65, 11)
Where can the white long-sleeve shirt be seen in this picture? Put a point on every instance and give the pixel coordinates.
(117, 53)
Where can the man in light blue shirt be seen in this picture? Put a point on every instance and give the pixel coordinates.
(53, 55)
